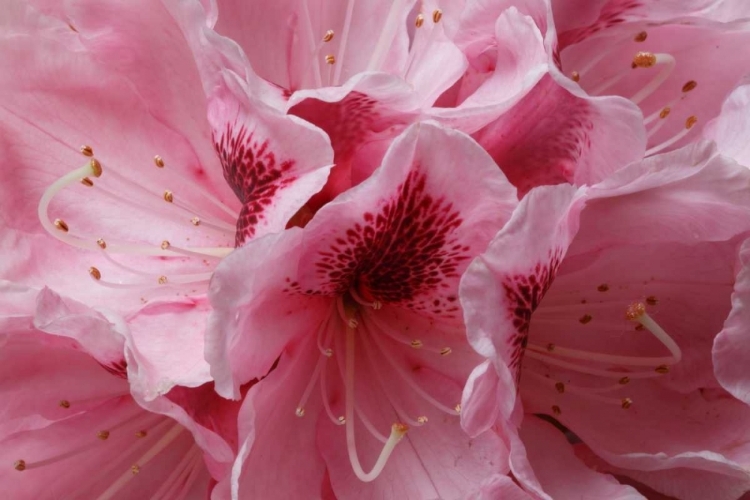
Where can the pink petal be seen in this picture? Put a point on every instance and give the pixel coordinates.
(269, 431)
(729, 128)
(166, 345)
(283, 40)
(274, 163)
(249, 293)
(730, 349)
(418, 170)
(544, 462)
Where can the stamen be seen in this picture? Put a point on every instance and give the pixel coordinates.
(168, 196)
(398, 430)
(324, 396)
(601, 358)
(330, 59)
(419, 21)
(437, 15)
(641, 37)
(389, 332)
(86, 150)
(87, 182)
(328, 36)
(669, 64)
(575, 76)
(408, 379)
(165, 441)
(585, 392)
(360, 300)
(61, 225)
(344, 40)
(689, 86)
(300, 411)
(158, 161)
(689, 123)
(584, 369)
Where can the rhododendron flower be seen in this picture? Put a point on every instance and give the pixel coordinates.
(70, 427)
(148, 215)
(359, 314)
(608, 305)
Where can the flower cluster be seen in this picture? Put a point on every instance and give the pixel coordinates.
(403, 249)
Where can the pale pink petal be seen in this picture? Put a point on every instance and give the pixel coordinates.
(517, 61)
(251, 289)
(457, 219)
(486, 398)
(166, 340)
(729, 129)
(730, 349)
(557, 473)
(274, 163)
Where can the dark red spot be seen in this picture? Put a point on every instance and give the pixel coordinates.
(117, 368)
(524, 294)
(254, 174)
(406, 249)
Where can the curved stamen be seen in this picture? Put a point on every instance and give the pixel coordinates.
(344, 39)
(689, 123)
(413, 343)
(314, 378)
(601, 358)
(398, 430)
(324, 395)
(637, 312)
(561, 388)
(590, 371)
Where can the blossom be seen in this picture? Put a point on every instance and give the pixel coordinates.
(614, 301)
(361, 307)
(70, 425)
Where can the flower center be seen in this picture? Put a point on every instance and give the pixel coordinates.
(363, 325)
(603, 365)
(118, 192)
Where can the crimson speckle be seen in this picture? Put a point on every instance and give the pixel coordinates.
(524, 292)
(612, 14)
(405, 249)
(117, 368)
(254, 174)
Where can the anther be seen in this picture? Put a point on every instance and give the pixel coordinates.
(141, 434)
(86, 150)
(352, 323)
(61, 225)
(445, 351)
(550, 347)
(64, 403)
(585, 319)
(158, 161)
(377, 305)
(689, 86)
(342, 420)
(422, 420)
(300, 412)
(87, 182)
(162, 280)
(19, 465)
(419, 21)
(575, 76)
(168, 196)
(103, 435)
(165, 245)
(651, 300)
(328, 352)
(663, 369)
(330, 59)
(416, 344)
(437, 15)
(95, 273)
(665, 112)
(195, 221)
(692, 120)
(135, 469)
(560, 387)
(603, 287)
(626, 403)
(644, 60)
(102, 244)
(556, 410)
(328, 36)
(635, 311)
(624, 381)
(641, 37)
(96, 167)
(457, 408)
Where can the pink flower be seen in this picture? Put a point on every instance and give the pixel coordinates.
(358, 314)
(70, 427)
(613, 303)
